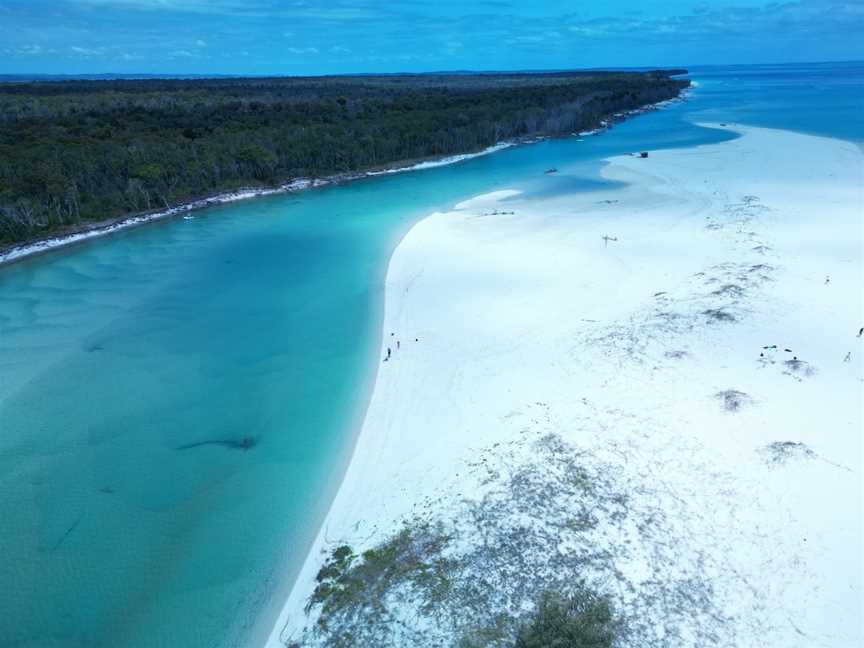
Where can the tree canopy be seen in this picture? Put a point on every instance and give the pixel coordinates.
(79, 151)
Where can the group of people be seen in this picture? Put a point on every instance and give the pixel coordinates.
(398, 346)
(773, 347)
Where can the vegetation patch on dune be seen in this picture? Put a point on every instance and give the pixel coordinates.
(558, 545)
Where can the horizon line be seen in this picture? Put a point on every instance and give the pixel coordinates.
(463, 71)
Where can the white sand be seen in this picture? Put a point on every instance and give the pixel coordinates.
(530, 319)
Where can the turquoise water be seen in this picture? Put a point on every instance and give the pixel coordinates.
(255, 320)
(817, 98)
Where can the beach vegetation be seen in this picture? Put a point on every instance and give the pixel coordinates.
(581, 620)
(538, 557)
(733, 400)
(350, 586)
(719, 315)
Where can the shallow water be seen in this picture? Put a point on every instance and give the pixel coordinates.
(254, 320)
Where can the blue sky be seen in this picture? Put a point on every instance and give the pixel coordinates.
(328, 36)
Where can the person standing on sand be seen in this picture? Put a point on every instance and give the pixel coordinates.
(861, 331)
(388, 353)
(397, 345)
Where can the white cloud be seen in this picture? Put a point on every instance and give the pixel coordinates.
(29, 50)
(87, 51)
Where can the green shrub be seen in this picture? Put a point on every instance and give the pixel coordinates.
(582, 620)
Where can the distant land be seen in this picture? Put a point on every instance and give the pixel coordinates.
(82, 152)
(105, 76)
(131, 76)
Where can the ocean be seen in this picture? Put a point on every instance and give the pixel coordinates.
(178, 402)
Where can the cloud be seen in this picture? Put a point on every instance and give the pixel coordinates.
(770, 22)
(322, 10)
(198, 6)
(31, 49)
(87, 51)
(378, 34)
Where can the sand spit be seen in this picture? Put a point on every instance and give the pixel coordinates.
(693, 333)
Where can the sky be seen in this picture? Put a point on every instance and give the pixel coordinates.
(296, 37)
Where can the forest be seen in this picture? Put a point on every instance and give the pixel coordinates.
(80, 152)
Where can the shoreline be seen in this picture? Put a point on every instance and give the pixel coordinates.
(263, 627)
(388, 475)
(269, 631)
(20, 251)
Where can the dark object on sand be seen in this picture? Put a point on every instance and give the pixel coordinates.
(552, 170)
(243, 444)
(861, 331)
(643, 154)
(788, 350)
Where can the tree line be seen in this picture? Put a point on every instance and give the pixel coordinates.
(79, 151)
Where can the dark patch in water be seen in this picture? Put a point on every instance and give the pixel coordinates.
(67, 534)
(245, 443)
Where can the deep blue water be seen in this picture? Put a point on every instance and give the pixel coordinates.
(258, 319)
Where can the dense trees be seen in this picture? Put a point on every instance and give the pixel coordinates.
(91, 150)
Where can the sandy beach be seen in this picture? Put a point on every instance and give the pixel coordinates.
(697, 328)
